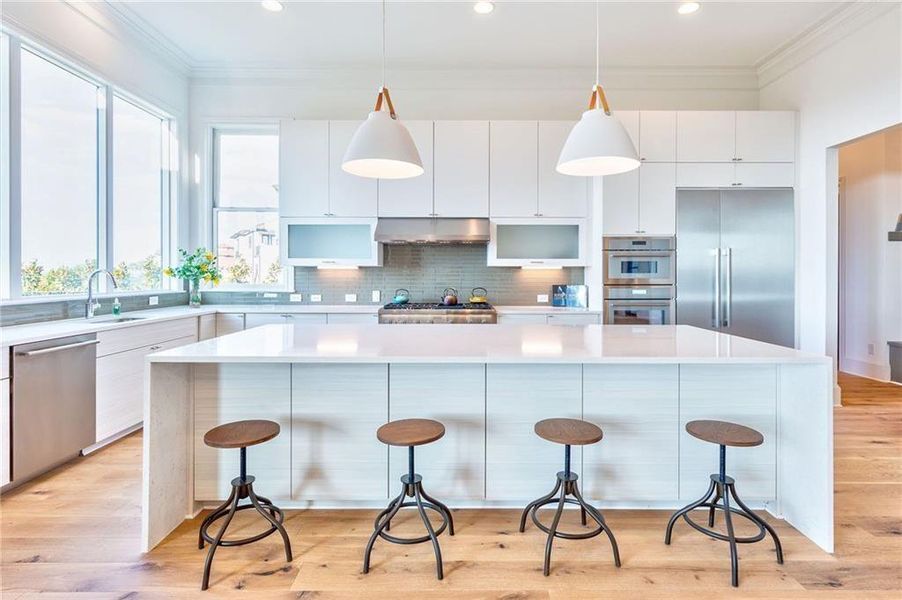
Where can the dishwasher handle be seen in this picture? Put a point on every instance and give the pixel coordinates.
(57, 348)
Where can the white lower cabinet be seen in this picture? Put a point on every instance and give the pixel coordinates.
(336, 410)
(234, 392)
(453, 467)
(227, 323)
(4, 431)
(353, 318)
(120, 387)
(206, 327)
(258, 319)
(523, 319)
(521, 466)
(579, 319)
(744, 394)
(637, 407)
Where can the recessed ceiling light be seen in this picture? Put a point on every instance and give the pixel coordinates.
(687, 8)
(484, 8)
(272, 5)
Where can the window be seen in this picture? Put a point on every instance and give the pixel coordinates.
(60, 159)
(86, 180)
(138, 181)
(246, 208)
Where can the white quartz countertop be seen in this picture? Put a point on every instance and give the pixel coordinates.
(35, 332)
(482, 344)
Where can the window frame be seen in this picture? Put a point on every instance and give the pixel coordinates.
(213, 132)
(11, 192)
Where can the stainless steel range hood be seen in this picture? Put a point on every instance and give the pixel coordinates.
(432, 231)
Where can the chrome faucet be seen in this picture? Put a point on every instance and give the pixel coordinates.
(91, 305)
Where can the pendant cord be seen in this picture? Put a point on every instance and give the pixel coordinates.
(597, 52)
(383, 44)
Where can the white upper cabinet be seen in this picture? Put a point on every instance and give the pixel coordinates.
(461, 169)
(349, 195)
(765, 136)
(657, 199)
(303, 168)
(559, 195)
(657, 135)
(410, 197)
(630, 121)
(706, 136)
(641, 201)
(764, 175)
(620, 203)
(702, 175)
(513, 165)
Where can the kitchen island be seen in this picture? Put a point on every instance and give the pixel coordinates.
(330, 388)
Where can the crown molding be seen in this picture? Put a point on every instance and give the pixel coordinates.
(834, 27)
(673, 78)
(138, 32)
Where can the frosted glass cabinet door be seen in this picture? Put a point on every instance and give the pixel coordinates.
(537, 242)
(330, 241)
(410, 197)
(461, 169)
(349, 195)
(512, 163)
(303, 168)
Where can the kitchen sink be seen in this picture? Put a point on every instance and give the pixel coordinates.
(124, 319)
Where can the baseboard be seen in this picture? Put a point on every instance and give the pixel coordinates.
(862, 368)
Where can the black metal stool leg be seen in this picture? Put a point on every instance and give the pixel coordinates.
(438, 551)
(734, 557)
(557, 518)
(536, 503)
(718, 494)
(208, 563)
(279, 527)
(212, 517)
(684, 510)
(442, 506)
(773, 534)
(601, 522)
(377, 532)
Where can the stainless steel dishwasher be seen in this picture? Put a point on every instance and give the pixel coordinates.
(53, 402)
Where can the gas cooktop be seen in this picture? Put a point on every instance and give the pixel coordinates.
(438, 306)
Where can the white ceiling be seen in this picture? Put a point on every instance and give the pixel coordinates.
(450, 35)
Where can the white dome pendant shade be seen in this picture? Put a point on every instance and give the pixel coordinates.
(382, 148)
(598, 144)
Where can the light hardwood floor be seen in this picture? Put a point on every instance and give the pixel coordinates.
(74, 534)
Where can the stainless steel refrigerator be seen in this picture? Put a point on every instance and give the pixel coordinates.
(735, 263)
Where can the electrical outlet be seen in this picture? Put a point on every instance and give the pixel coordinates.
(296, 297)
(542, 298)
(377, 296)
(350, 297)
(316, 297)
(270, 295)
(870, 349)
(153, 300)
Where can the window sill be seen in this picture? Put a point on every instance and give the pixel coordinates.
(84, 297)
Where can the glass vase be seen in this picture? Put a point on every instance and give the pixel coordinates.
(194, 294)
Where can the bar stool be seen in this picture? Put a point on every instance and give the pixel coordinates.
(569, 432)
(411, 433)
(241, 434)
(723, 487)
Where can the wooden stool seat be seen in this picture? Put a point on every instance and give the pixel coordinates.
(410, 432)
(724, 433)
(241, 434)
(570, 432)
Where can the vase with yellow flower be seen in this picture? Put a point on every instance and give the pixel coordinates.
(194, 267)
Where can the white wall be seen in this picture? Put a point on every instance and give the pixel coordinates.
(850, 89)
(871, 266)
(84, 34)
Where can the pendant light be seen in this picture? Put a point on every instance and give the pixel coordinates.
(382, 147)
(598, 144)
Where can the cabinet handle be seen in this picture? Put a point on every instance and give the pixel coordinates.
(537, 262)
(738, 159)
(155, 348)
(642, 158)
(287, 316)
(58, 348)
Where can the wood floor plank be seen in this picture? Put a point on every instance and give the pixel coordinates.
(74, 534)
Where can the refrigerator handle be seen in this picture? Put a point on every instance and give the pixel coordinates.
(728, 292)
(717, 296)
